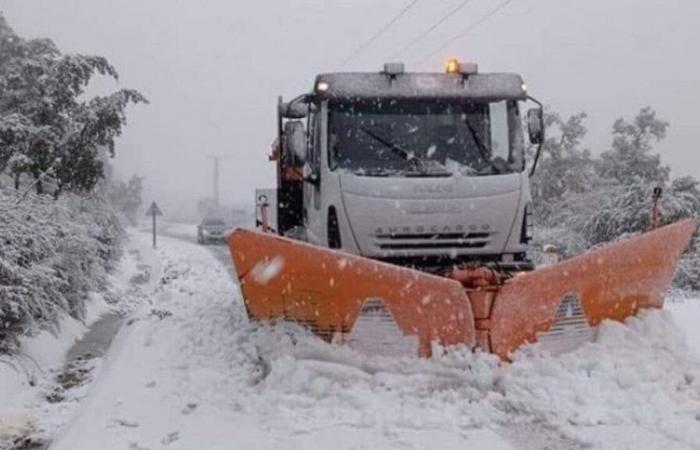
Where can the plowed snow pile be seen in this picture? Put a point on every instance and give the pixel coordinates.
(191, 372)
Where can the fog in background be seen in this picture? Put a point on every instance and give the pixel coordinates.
(213, 69)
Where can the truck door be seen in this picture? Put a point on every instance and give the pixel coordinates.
(313, 213)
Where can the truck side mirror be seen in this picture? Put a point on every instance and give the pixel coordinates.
(296, 109)
(535, 125)
(295, 141)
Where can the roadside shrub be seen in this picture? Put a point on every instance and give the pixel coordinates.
(688, 273)
(626, 209)
(582, 221)
(52, 254)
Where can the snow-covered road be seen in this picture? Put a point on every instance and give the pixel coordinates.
(189, 372)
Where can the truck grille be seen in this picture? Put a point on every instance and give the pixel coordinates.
(419, 241)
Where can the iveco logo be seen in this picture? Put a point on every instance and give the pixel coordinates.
(433, 229)
(432, 188)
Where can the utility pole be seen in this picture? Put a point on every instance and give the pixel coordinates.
(215, 179)
(215, 189)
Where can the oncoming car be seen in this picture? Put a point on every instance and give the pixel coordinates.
(212, 230)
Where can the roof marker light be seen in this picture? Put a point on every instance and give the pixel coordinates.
(394, 69)
(468, 68)
(322, 86)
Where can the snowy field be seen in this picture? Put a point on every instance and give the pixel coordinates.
(187, 371)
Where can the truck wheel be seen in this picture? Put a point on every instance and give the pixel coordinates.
(333, 230)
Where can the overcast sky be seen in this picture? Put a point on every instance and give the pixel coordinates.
(213, 69)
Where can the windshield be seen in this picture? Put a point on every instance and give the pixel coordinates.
(427, 138)
(214, 223)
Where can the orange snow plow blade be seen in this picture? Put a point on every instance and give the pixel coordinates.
(612, 282)
(354, 299)
(327, 290)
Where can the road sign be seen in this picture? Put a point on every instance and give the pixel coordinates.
(154, 211)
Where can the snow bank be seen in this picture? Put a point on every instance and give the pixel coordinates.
(636, 376)
(637, 380)
(686, 314)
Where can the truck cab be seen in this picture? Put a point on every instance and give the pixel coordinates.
(417, 169)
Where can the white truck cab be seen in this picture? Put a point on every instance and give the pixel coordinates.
(417, 169)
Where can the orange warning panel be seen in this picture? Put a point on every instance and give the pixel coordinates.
(612, 282)
(326, 290)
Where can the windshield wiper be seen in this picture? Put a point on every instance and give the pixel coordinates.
(403, 153)
(483, 151)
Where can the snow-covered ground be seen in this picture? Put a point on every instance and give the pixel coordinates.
(190, 372)
(26, 377)
(686, 315)
(42, 385)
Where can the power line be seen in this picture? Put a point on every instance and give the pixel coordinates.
(469, 29)
(379, 33)
(442, 20)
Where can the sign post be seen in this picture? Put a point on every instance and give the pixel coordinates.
(154, 211)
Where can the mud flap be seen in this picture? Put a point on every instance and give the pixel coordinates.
(326, 290)
(612, 282)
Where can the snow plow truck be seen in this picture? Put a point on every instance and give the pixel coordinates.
(403, 218)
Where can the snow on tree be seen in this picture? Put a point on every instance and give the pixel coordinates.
(582, 200)
(564, 166)
(126, 197)
(630, 158)
(53, 252)
(47, 129)
(626, 209)
(52, 255)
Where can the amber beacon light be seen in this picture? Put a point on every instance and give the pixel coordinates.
(452, 66)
